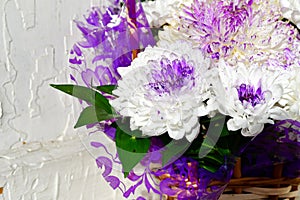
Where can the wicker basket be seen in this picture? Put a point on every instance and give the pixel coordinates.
(246, 188)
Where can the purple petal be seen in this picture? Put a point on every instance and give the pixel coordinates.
(107, 163)
(165, 187)
(149, 186)
(114, 182)
(90, 78)
(132, 189)
(133, 177)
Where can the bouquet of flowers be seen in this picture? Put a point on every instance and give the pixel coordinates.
(181, 87)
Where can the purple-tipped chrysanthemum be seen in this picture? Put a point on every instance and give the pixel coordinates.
(238, 31)
(214, 24)
(164, 90)
(250, 96)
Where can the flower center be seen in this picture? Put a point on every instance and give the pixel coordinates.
(234, 17)
(170, 76)
(247, 93)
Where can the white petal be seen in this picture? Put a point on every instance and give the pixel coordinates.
(190, 136)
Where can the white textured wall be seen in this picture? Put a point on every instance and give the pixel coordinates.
(52, 171)
(41, 156)
(35, 36)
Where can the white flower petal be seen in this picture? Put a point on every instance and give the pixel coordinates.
(191, 135)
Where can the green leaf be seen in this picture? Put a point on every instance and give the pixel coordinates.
(92, 115)
(87, 94)
(106, 88)
(173, 150)
(131, 150)
(124, 124)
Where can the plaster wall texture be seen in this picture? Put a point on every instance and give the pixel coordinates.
(52, 171)
(41, 156)
(34, 41)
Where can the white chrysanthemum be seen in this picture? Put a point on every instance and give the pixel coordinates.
(291, 10)
(164, 91)
(291, 98)
(236, 31)
(250, 96)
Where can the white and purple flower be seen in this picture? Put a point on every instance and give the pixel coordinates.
(237, 31)
(165, 91)
(250, 96)
(291, 99)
